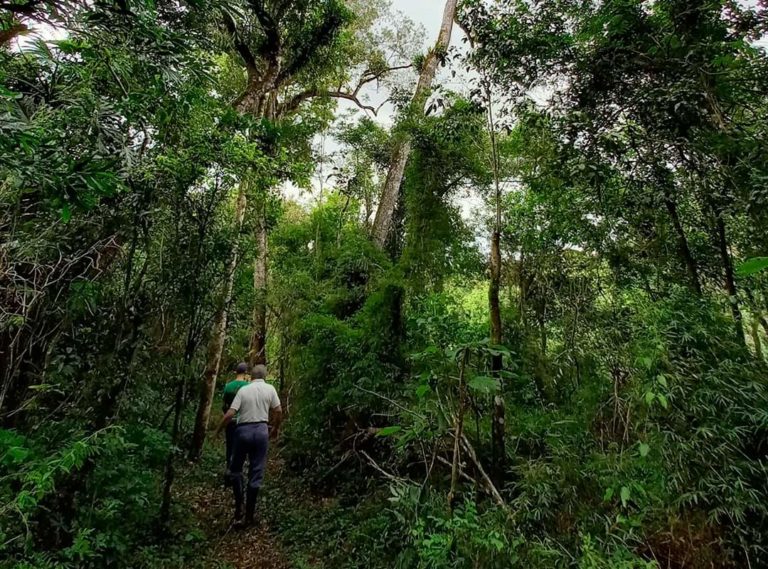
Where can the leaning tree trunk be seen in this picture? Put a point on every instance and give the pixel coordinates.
(498, 425)
(683, 248)
(720, 124)
(499, 412)
(258, 352)
(216, 345)
(389, 194)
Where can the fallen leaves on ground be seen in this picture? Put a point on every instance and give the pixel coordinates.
(212, 506)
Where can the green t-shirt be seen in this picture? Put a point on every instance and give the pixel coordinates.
(230, 390)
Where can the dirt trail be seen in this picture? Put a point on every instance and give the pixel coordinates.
(253, 548)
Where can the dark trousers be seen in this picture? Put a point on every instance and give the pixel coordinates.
(252, 441)
(229, 437)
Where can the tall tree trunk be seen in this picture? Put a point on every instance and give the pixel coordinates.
(458, 430)
(756, 338)
(258, 352)
(216, 345)
(499, 411)
(730, 282)
(494, 308)
(283, 358)
(754, 307)
(389, 194)
(493, 295)
(170, 471)
(178, 406)
(683, 247)
(719, 123)
(523, 284)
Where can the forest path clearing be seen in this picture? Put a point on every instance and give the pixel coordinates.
(211, 504)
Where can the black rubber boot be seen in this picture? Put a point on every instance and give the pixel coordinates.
(250, 505)
(237, 491)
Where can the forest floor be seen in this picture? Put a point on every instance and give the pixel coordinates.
(210, 504)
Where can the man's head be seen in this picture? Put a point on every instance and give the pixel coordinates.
(241, 368)
(259, 372)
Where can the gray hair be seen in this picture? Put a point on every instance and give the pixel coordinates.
(259, 372)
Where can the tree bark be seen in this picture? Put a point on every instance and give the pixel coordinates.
(499, 411)
(756, 338)
(754, 307)
(388, 201)
(170, 471)
(216, 345)
(258, 352)
(178, 407)
(494, 308)
(459, 429)
(730, 281)
(683, 247)
(281, 369)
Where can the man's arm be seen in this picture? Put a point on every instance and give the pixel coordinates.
(233, 409)
(275, 419)
(228, 416)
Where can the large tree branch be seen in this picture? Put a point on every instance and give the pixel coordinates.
(263, 65)
(242, 48)
(270, 49)
(353, 95)
(295, 102)
(368, 76)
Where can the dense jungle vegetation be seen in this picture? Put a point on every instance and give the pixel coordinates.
(510, 281)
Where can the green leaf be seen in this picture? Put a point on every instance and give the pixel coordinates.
(663, 400)
(608, 494)
(422, 390)
(25, 500)
(483, 384)
(389, 431)
(752, 266)
(497, 350)
(649, 397)
(644, 449)
(7, 94)
(625, 495)
(662, 380)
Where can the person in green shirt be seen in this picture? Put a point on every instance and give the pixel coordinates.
(230, 390)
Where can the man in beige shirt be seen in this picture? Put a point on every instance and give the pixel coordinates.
(257, 407)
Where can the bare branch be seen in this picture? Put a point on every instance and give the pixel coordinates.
(488, 483)
(387, 475)
(353, 95)
(392, 401)
(368, 76)
(449, 464)
(295, 102)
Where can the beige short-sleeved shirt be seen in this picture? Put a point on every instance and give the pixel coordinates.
(254, 401)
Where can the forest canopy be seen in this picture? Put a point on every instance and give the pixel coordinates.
(510, 282)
